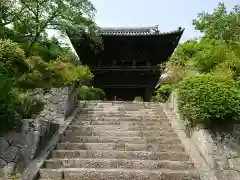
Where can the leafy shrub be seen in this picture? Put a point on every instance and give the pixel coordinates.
(206, 99)
(138, 99)
(213, 52)
(99, 93)
(87, 93)
(9, 118)
(28, 106)
(14, 107)
(154, 99)
(183, 53)
(53, 74)
(12, 59)
(163, 92)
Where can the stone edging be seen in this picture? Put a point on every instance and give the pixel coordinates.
(205, 171)
(32, 170)
(222, 167)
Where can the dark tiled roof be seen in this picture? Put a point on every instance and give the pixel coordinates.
(133, 31)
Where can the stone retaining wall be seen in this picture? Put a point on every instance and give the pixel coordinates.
(220, 151)
(17, 150)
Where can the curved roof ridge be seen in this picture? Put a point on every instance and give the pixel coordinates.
(134, 31)
(130, 28)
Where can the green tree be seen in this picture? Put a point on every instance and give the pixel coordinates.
(220, 24)
(9, 12)
(39, 15)
(12, 59)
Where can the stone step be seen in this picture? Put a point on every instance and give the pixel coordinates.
(118, 174)
(124, 109)
(122, 112)
(117, 163)
(120, 140)
(113, 122)
(115, 133)
(120, 118)
(128, 105)
(123, 116)
(128, 108)
(122, 127)
(121, 146)
(127, 122)
(113, 154)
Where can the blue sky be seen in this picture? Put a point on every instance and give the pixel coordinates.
(168, 14)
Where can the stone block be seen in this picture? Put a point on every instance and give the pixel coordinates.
(2, 174)
(9, 169)
(10, 154)
(227, 175)
(3, 145)
(17, 157)
(2, 163)
(234, 164)
(55, 99)
(15, 139)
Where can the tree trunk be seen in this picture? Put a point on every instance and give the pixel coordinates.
(31, 44)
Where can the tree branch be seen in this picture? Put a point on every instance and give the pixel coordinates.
(50, 19)
(41, 29)
(14, 18)
(29, 8)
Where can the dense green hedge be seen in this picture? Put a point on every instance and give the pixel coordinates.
(206, 99)
(88, 93)
(163, 92)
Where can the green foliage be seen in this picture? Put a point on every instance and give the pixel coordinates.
(8, 117)
(206, 99)
(206, 55)
(33, 60)
(12, 59)
(69, 56)
(99, 93)
(9, 11)
(138, 99)
(163, 92)
(88, 93)
(49, 49)
(27, 106)
(219, 24)
(53, 74)
(214, 53)
(14, 106)
(38, 16)
(17, 73)
(154, 99)
(183, 53)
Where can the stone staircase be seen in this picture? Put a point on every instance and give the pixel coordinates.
(120, 141)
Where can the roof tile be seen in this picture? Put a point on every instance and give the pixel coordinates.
(133, 31)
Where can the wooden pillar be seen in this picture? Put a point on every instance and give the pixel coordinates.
(134, 64)
(148, 94)
(114, 62)
(148, 64)
(99, 63)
